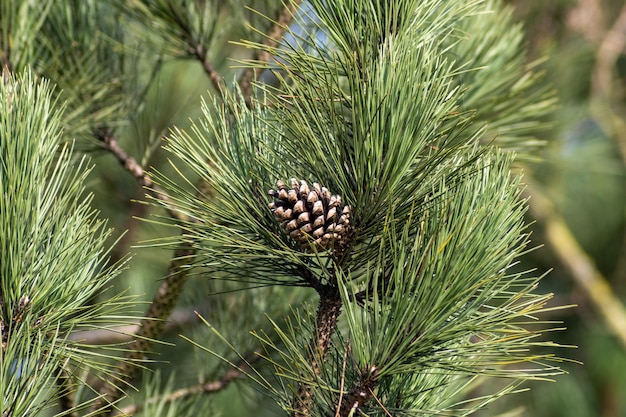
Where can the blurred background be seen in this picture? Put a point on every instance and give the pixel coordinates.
(576, 185)
(577, 201)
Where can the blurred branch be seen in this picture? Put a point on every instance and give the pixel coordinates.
(588, 18)
(271, 40)
(149, 329)
(611, 114)
(612, 46)
(580, 266)
(164, 300)
(121, 334)
(209, 69)
(328, 311)
(608, 96)
(132, 166)
(231, 374)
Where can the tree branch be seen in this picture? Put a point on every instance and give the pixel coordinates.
(138, 172)
(209, 69)
(164, 300)
(580, 266)
(271, 40)
(611, 47)
(197, 50)
(361, 393)
(171, 287)
(328, 311)
(211, 387)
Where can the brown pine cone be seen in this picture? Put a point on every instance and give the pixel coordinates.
(313, 217)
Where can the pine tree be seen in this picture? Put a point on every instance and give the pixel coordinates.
(347, 205)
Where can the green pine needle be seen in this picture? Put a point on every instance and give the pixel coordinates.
(398, 115)
(53, 250)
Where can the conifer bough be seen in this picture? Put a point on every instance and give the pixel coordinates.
(314, 218)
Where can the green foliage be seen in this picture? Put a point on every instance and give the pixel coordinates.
(52, 253)
(430, 297)
(181, 26)
(70, 44)
(411, 111)
(503, 89)
(20, 22)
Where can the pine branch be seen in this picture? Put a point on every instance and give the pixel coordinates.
(271, 40)
(52, 258)
(132, 166)
(440, 225)
(216, 79)
(359, 395)
(328, 311)
(167, 295)
(211, 387)
(187, 28)
(152, 326)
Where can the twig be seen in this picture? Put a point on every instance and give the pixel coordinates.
(274, 35)
(328, 311)
(214, 386)
(209, 69)
(165, 299)
(167, 295)
(196, 49)
(343, 378)
(171, 287)
(380, 404)
(138, 172)
(580, 266)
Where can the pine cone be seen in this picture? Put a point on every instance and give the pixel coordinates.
(313, 217)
